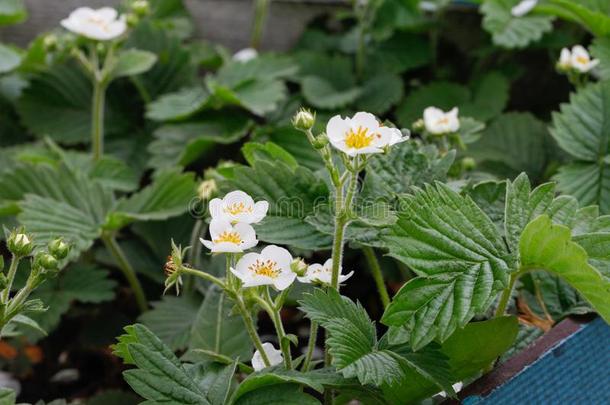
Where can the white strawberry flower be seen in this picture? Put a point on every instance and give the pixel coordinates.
(103, 24)
(274, 355)
(269, 267)
(523, 8)
(580, 59)
(438, 122)
(361, 134)
(318, 273)
(238, 206)
(565, 59)
(228, 238)
(245, 55)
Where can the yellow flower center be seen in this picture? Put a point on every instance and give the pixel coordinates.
(231, 237)
(237, 208)
(359, 139)
(265, 268)
(582, 60)
(443, 121)
(101, 23)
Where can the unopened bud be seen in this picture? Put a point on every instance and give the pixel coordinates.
(59, 249)
(320, 141)
(140, 7)
(132, 20)
(207, 189)
(19, 244)
(419, 125)
(50, 42)
(298, 266)
(304, 119)
(468, 163)
(46, 261)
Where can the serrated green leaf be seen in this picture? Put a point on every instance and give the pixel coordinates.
(114, 174)
(12, 12)
(269, 151)
(509, 31)
(133, 62)
(600, 49)
(168, 196)
(216, 329)
(280, 394)
(172, 319)
(549, 247)
(264, 67)
(178, 105)
(588, 182)
(380, 93)
(9, 58)
(490, 196)
(460, 257)
(512, 143)
(402, 52)
(23, 320)
(597, 246)
(324, 94)
(214, 379)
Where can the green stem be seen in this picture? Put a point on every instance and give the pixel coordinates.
(194, 254)
(128, 271)
(311, 345)
(252, 330)
(12, 270)
(203, 275)
(373, 263)
(261, 9)
(274, 313)
(506, 294)
(97, 118)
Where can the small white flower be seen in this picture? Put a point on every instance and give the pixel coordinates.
(361, 134)
(581, 60)
(245, 55)
(269, 267)
(238, 206)
(439, 122)
(229, 238)
(275, 357)
(102, 24)
(523, 8)
(318, 273)
(565, 59)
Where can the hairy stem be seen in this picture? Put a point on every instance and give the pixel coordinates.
(194, 253)
(506, 294)
(373, 263)
(117, 253)
(251, 328)
(12, 270)
(311, 345)
(203, 275)
(97, 119)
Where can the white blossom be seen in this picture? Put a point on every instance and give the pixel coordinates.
(322, 273)
(238, 206)
(269, 267)
(438, 122)
(523, 8)
(229, 238)
(245, 55)
(103, 24)
(578, 59)
(274, 355)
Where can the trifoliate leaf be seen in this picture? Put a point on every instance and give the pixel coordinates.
(215, 328)
(9, 58)
(547, 246)
(171, 319)
(509, 31)
(133, 62)
(459, 255)
(512, 143)
(168, 196)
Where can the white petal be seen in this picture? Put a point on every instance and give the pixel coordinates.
(238, 196)
(305, 279)
(107, 13)
(344, 277)
(273, 355)
(565, 57)
(340, 145)
(259, 212)
(239, 275)
(245, 231)
(284, 280)
(218, 226)
(207, 243)
(579, 51)
(245, 55)
(337, 129)
(365, 120)
(215, 208)
(281, 256)
(256, 281)
(227, 247)
(246, 261)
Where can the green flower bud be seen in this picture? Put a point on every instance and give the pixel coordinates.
(140, 7)
(468, 163)
(132, 20)
(304, 119)
(59, 249)
(19, 244)
(50, 42)
(320, 141)
(299, 267)
(46, 261)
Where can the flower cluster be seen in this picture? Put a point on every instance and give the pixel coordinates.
(576, 60)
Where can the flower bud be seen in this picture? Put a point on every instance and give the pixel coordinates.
(59, 249)
(304, 119)
(207, 189)
(50, 42)
(19, 244)
(132, 20)
(46, 261)
(140, 7)
(468, 163)
(419, 125)
(298, 266)
(320, 141)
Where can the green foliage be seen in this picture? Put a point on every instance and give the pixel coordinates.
(513, 32)
(547, 246)
(9, 58)
(459, 256)
(581, 129)
(133, 62)
(600, 49)
(12, 12)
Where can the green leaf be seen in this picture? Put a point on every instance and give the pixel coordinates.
(114, 174)
(215, 328)
(600, 49)
(12, 12)
(473, 348)
(380, 93)
(23, 320)
(183, 143)
(113, 396)
(269, 151)
(172, 318)
(459, 255)
(549, 247)
(559, 298)
(592, 14)
(10, 58)
(490, 95)
(315, 380)
(490, 196)
(322, 93)
(178, 105)
(443, 95)
(588, 182)
(509, 31)
(402, 52)
(280, 394)
(133, 62)
(169, 195)
(159, 376)
(597, 246)
(512, 143)
(215, 380)
(293, 194)
(7, 395)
